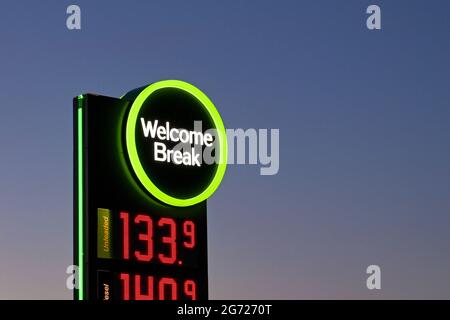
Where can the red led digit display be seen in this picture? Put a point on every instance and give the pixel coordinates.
(190, 289)
(141, 235)
(141, 241)
(189, 232)
(124, 216)
(167, 285)
(138, 295)
(146, 237)
(165, 288)
(170, 240)
(125, 279)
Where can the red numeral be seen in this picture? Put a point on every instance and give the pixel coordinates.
(173, 288)
(190, 289)
(137, 288)
(126, 241)
(189, 231)
(125, 278)
(147, 236)
(170, 239)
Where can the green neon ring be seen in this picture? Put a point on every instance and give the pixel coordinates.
(134, 157)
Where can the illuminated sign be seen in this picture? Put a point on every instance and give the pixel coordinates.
(141, 184)
(166, 113)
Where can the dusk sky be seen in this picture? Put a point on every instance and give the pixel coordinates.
(364, 120)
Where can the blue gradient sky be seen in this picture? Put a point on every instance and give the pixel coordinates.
(364, 125)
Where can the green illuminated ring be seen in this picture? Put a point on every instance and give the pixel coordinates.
(134, 157)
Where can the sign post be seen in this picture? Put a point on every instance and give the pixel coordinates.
(144, 166)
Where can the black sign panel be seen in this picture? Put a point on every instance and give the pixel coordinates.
(130, 244)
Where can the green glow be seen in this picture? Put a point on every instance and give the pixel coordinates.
(134, 157)
(80, 197)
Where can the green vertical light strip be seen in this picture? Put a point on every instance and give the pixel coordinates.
(80, 198)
